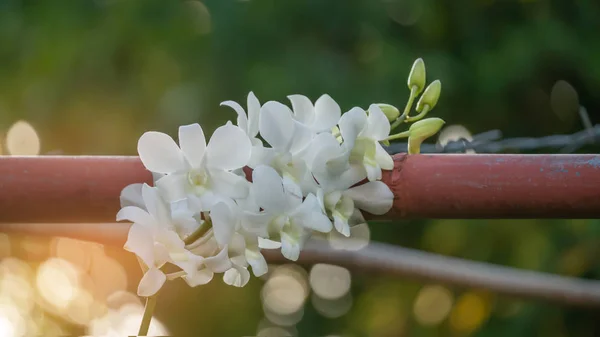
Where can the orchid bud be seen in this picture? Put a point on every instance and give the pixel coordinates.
(416, 78)
(430, 96)
(421, 130)
(390, 111)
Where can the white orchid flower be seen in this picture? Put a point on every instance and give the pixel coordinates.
(286, 218)
(227, 218)
(368, 132)
(195, 168)
(154, 238)
(320, 117)
(248, 122)
(331, 168)
(289, 142)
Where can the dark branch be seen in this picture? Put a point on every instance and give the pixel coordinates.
(491, 142)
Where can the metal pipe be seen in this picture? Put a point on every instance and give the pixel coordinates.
(59, 189)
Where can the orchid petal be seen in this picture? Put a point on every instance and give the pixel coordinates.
(229, 148)
(236, 276)
(192, 143)
(253, 114)
(257, 261)
(378, 126)
(276, 125)
(303, 108)
(151, 282)
(242, 119)
(141, 243)
(159, 153)
(374, 197)
(136, 215)
(267, 189)
(218, 263)
(223, 223)
(327, 113)
(131, 195)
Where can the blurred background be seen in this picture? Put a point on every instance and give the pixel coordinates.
(89, 77)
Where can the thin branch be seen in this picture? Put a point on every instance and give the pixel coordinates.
(490, 142)
(386, 259)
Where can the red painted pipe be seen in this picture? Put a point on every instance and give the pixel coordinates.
(86, 189)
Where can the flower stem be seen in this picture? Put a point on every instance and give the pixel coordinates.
(148, 310)
(199, 232)
(404, 116)
(404, 134)
(419, 116)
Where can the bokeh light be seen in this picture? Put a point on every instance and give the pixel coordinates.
(285, 291)
(329, 281)
(332, 308)
(58, 282)
(452, 133)
(22, 139)
(470, 312)
(433, 304)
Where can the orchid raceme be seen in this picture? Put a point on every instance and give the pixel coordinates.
(314, 170)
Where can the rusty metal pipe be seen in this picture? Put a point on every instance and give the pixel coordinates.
(44, 189)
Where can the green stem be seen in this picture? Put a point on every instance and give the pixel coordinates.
(148, 310)
(419, 116)
(404, 116)
(404, 134)
(199, 232)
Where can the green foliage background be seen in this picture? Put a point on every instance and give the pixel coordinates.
(92, 76)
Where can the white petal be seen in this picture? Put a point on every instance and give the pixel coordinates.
(268, 244)
(136, 215)
(192, 143)
(312, 216)
(327, 112)
(267, 189)
(229, 184)
(131, 195)
(322, 140)
(253, 114)
(341, 226)
(374, 197)
(373, 172)
(301, 140)
(261, 156)
(257, 261)
(236, 276)
(303, 109)
(383, 158)
(151, 282)
(242, 119)
(155, 205)
(276, 125)
(202, 276)
(228, 149)
(351, 124)
(290, 248)
(223, 223)
(293, 194)
(256, 223)
(160, 153)
(141, 243)
(378, 125)
(218, 263)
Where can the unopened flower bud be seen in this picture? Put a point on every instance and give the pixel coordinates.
(430, 96)
(421, 130)
(390, 111)
(416, 78)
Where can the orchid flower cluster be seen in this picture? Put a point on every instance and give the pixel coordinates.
(279, 175)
